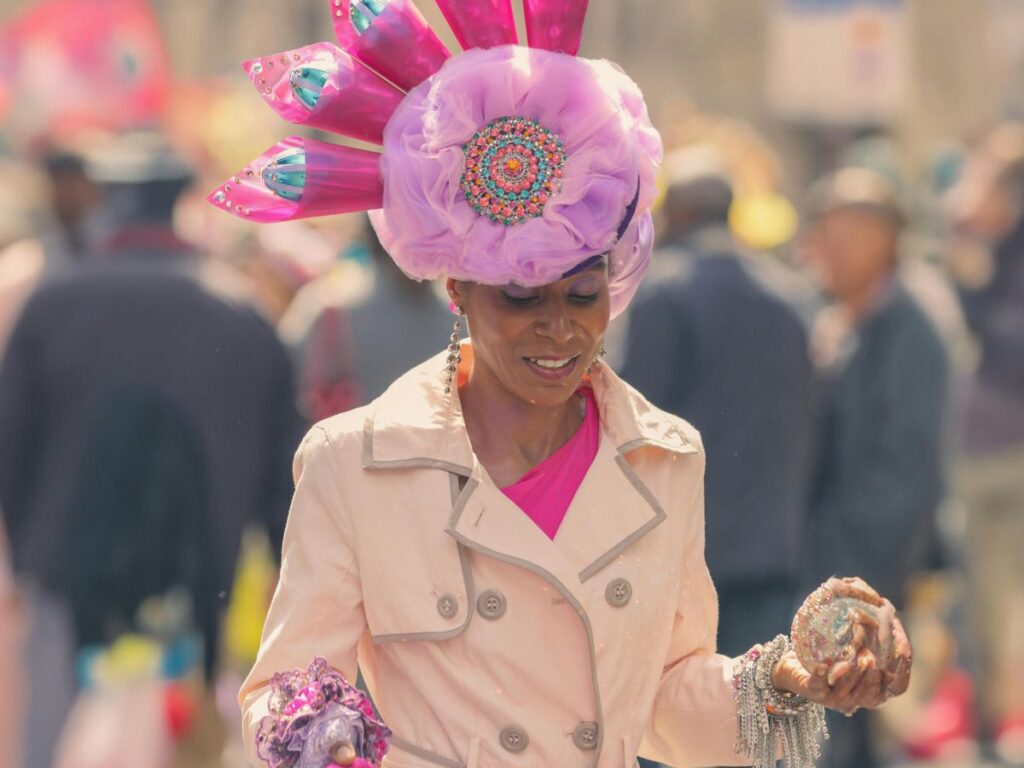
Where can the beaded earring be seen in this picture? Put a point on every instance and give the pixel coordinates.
(454, 352)
(601, 352)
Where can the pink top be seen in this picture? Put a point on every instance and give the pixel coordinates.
(546, 491)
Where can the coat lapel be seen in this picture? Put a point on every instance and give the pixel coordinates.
(488, 522)
(611, 510)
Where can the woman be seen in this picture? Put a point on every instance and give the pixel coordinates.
(509, 542)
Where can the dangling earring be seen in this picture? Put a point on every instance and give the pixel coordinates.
(601, 352)
(454, 352)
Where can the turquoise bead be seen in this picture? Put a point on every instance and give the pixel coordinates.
(285, 175)
(308, 84)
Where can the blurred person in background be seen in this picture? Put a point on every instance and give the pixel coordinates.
(22, 258)
(714, 337)
(879, 478)
(356, 330)
(75, 201)
(144, 419)
(988, 262)
(279, 260)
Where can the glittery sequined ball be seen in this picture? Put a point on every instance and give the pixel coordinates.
(513, 167)
(823, 628)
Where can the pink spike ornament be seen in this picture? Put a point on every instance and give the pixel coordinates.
(480, 23)
(555, 25)
(392, 37)
(301, 178)
(323, 87)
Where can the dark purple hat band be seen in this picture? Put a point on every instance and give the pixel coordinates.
(627, 219)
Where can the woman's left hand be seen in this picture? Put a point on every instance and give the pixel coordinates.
(866, 680)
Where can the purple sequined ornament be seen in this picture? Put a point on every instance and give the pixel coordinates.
(513, 167)
(310, 711)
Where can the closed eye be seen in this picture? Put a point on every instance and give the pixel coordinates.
(519, 301)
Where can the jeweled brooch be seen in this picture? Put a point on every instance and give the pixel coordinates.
(513, 167)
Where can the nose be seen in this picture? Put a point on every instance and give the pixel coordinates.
(556, 323)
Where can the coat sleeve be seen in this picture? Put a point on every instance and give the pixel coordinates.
(694, 721)
(317, 608)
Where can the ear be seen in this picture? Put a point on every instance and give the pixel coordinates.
(456, 291)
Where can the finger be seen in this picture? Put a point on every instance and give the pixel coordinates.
(817, 685)
(901, 646)
(898, 679)
(859, 636)
(856, 588)
(343, 753)
(897, 683)
(837, 673)
(845, 682)
(870, 689)
(863, 664)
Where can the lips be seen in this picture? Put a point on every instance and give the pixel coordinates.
(552, 368)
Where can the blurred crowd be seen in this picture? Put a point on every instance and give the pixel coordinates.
(852, 351)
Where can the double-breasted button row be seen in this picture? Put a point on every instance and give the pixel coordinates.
(491, 604)
(585, 736)
(447, 606)
(619, 592)
(513, 739)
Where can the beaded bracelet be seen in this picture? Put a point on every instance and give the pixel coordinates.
(769, 717)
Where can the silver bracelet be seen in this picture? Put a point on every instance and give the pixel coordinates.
(769, 717)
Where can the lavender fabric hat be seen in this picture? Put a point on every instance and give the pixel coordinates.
(503, 164)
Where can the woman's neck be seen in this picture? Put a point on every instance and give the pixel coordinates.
(511, 436)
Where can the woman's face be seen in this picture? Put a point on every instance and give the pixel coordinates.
(537, 343)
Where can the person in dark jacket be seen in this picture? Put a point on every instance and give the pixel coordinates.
(716, 338)
(145, 418)
(879, 478)
(988, 212)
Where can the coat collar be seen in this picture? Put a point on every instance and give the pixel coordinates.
(415, 424)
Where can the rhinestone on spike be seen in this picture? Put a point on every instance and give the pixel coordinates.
(513, 167)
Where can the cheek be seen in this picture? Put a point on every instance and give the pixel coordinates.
(496, 333)
(596, 322)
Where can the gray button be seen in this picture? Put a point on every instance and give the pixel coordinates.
(491, 604)
(585, 736)
(513, 739)
(619, 592)
(447, 606)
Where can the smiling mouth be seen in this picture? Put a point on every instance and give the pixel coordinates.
(551, 364)
(552, 368)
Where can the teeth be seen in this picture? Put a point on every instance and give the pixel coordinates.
(552, 363)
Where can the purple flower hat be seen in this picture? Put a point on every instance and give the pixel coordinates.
(500, 164)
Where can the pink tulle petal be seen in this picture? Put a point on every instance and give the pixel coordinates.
(555, 25)
(399, 44)
(354, 101)
(480, 23)
(338, 180)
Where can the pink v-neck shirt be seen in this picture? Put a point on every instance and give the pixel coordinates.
(546, 491)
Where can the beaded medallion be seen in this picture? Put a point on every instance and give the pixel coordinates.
(513, 167)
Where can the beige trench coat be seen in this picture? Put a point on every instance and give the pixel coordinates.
(483, 642)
